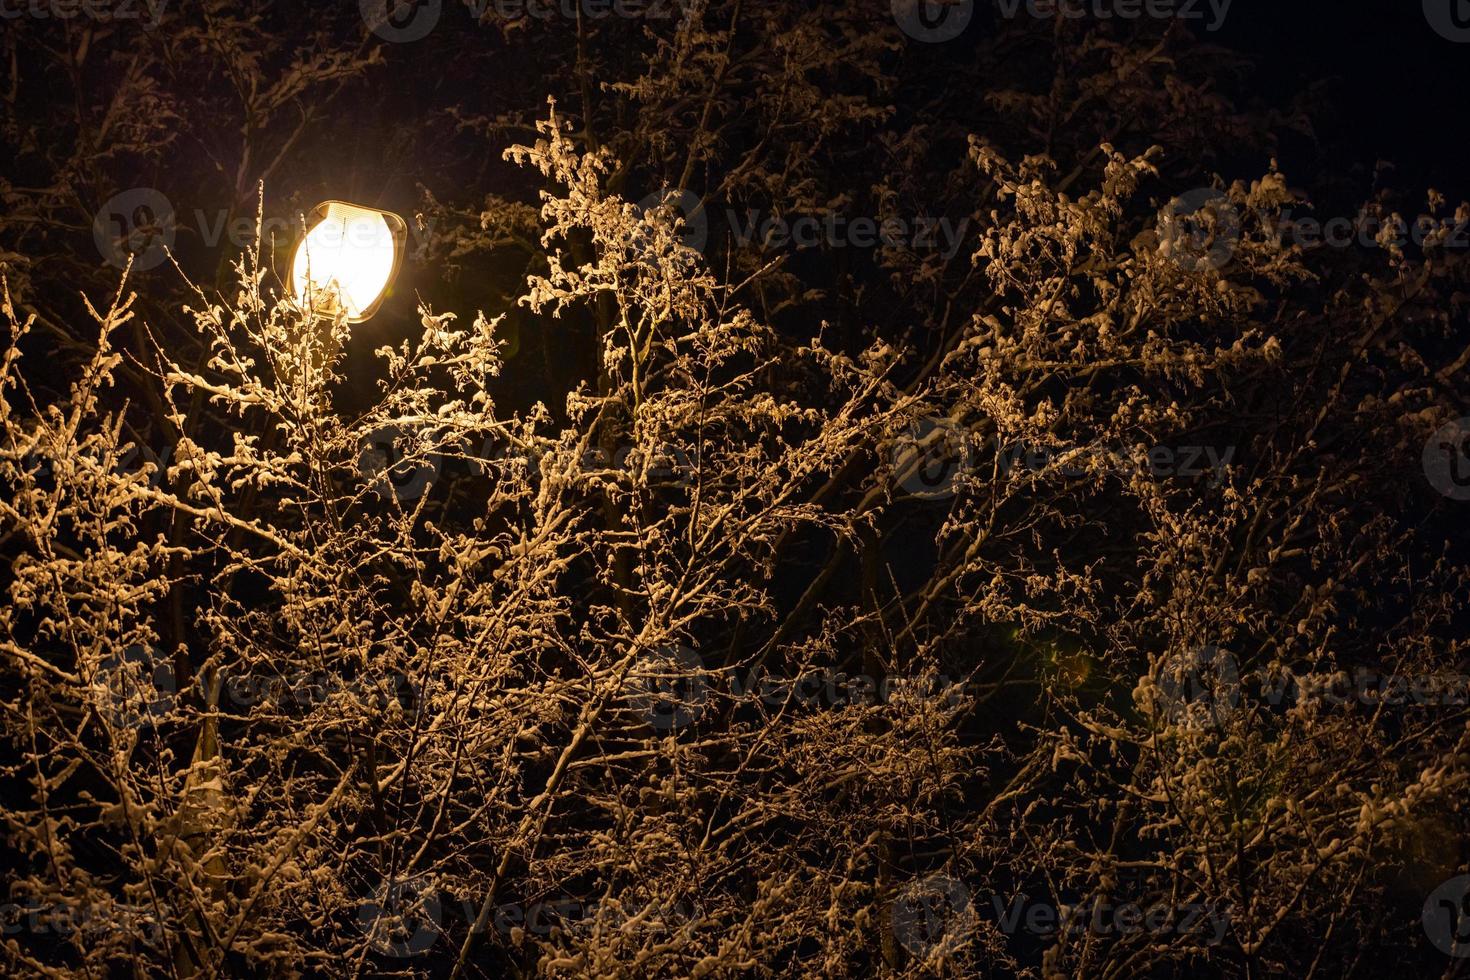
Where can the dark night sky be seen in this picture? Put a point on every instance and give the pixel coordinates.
(1398, 90)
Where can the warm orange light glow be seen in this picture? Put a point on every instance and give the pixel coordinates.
(348, 259)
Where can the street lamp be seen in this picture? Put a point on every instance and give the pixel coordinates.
(347, 259)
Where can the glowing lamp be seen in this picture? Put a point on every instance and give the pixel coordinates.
(348, 259)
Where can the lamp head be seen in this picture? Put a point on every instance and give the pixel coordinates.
(347, 259)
